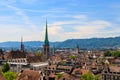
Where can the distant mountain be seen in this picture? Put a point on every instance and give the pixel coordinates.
(92, 43)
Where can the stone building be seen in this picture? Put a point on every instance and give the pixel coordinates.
(111, 73)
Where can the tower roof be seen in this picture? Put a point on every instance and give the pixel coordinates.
(46, 42)
(21, 41)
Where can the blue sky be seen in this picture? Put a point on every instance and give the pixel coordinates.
(67, 19)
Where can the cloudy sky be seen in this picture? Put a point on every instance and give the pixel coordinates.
(67, 19)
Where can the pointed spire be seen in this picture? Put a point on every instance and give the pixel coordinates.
(22, 45)
(46, 42)
(21, 40)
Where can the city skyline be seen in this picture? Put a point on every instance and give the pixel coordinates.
(67, 19)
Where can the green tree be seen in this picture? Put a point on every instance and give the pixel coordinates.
(73, 57)
(90, 76)
(108, 53)
(116, 53)
(5, 67)
(38, 54)
(10, 75)
(59, 75)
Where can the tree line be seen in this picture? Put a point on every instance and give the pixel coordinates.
(115, 53)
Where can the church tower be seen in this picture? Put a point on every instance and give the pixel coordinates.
(77, 49)
(46, 46)
(22, 45)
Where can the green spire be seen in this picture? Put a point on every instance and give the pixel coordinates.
(46, 42)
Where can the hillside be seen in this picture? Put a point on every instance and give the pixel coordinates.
(92, 43)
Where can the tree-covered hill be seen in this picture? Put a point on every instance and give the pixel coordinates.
(92, 43)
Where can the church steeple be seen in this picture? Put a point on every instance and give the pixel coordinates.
(46, 42)
(77, 49)
(46, 46)
(22, 45)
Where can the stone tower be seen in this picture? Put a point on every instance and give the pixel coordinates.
(77, 49)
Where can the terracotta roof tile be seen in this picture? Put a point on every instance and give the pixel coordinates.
(79, 70)
(1, 77)
(29, 75)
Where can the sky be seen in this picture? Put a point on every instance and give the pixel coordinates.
(67, 19)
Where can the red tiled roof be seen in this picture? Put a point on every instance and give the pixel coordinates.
(82, 71)
(114, 68)
(33, 59)
(14, 55)
(29, 75)
(1, 77)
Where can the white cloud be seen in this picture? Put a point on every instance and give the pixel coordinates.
(52, 10)
(60, 23)
(54, 30)
(97, 28)
(57, 31)
(5, 18)
(65, 15)
(80, 16)
(13, 32)
(22, 15)
(92, 29)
